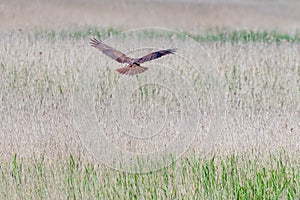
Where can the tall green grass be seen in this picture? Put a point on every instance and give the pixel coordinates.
(218, 177)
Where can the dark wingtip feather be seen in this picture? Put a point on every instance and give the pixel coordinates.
(172, 51)
(94, 41)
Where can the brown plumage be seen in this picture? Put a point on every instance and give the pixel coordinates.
(133, 67)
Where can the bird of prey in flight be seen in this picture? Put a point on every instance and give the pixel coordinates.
(133, 66)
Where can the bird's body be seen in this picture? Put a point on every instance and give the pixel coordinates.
(133, 66)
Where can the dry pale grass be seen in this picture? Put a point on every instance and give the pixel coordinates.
(263, 102)
(38, 76)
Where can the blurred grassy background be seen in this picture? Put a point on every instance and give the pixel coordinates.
(256, 43)
(191, 16)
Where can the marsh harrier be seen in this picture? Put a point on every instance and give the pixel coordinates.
(133, 66)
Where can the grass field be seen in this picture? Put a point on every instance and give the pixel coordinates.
(252, 153)
(232, 177)
(42, 156)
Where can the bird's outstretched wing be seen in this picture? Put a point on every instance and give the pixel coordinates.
(155, 55)
(109, 51)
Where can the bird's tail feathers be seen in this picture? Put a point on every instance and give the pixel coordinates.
(132, 70)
